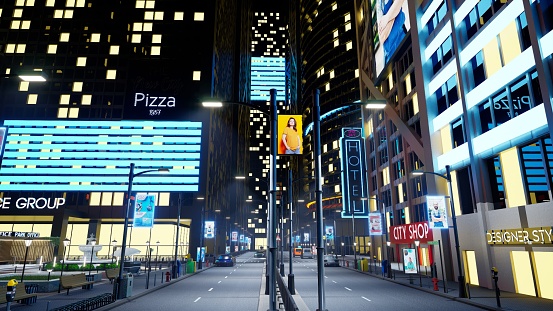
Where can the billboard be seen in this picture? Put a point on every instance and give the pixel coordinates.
(375, 224)
(409, 261)
(390, 24)
(329, 232)
(437, 214)
(241, 238)
(306, 237)
(289, 131)
(70, 155)
(144, 209)
(209, 230)
(354, 184)
(234, 236)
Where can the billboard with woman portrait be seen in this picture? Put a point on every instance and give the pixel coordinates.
(289, 134)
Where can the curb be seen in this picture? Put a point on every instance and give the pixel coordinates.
(119, 302)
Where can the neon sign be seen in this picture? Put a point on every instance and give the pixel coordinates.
(352, 154)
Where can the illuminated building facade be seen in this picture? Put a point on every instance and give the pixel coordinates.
(468, 86)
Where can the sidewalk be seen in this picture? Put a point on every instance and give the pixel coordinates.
(479, 296)
(49, 301)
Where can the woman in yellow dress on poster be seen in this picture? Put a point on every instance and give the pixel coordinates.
(291, 138)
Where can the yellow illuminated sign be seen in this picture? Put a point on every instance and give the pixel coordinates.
(536, 235)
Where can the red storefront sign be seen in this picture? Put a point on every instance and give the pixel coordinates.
(407, 234)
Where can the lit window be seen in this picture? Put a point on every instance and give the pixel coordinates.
(58, 14)
(136, 38)
(32, 99)
(86, 100)
(337, 188)
(95, 198)
(17, 13)
(336, 42)
(137, 27)
(20, 3)
(156, 38)
(50, 2)
(74, 113)
(15, 24)
(327, 87)
(149, 15)
(349, 46)
(150, 4)
(52, 48)
(68, 14)
(62, 112)
(348, 26)
(158, 16)
(25, 24)
(95, 37)
(80, 3)
(20, 48)
(179, 16)
(106, 198)
(111, 74)
(64, 99)
(331, 167)
(148, 27)
(335, 33)
(23, 86)
(77, 86)
(196, 75)
(140, 4)
(70, 3)
(64, 37)
(331, 74)
(81, 61)
(357, 73)
(199, 16)
(334, 6)
(10, 48)
(114, 50)
(156, 50)
(347, 18)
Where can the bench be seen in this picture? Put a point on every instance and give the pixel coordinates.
(21, 295)
(75, 280)
(111, 274)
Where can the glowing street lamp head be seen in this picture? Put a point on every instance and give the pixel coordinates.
(417, 173)
(212, 104)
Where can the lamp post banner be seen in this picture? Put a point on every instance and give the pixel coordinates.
(409, 261)
(234, 236)
(352, 157)
(329, 230)
(375, 223)
(209, 229)
(144, 208)
(437, 215)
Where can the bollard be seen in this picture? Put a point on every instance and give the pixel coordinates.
(347, 264)
(497, 293)
(435, 282)
(167, 276)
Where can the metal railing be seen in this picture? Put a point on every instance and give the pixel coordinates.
(287, 299)
(88, 304)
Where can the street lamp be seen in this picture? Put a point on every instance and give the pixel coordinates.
(27, 245)
(149, 257)
(113, 247)
(132, 175)
(371, 104)
(417, 243)
(272, 191)
(65, 244)
(447, 176)
(157, 252)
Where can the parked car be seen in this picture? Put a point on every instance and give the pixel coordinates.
(306, 253)
(224, 261)
(331, 261)
(259, 254)
(297, 251)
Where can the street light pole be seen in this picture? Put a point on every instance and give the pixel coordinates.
(175, 267)
(118, 286)
(291, 285)
(27, 245)
(447, 177)
(272, 206)
(65, 243)
(319, 201)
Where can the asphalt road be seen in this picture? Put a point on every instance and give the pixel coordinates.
(348, 290)
(218, 288)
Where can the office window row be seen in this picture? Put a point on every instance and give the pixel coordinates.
(447, 94)
(442, 55)
(480, 15)
(437, 17)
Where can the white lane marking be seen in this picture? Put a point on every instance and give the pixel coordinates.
(312, 270)
(226, 276)
(334, 282)
(367, 299)
(234, 270)
(219, 282)
(326, 277)
(210, 289)
(347, 288)
(197, 299)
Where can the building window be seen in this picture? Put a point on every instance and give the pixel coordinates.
(196, 75)
(458, 133)
(447, 95)
(496, 182)
(442, 55)
(480, 15)
(535, 171)
(436, 17)
(199, 16)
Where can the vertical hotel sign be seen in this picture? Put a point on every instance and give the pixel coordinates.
(144, 209)
(352, 154)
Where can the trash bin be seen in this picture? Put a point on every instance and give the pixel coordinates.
(126, 285)
(365, 265)
(190, 266)
(179, 268)
(384, 267)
